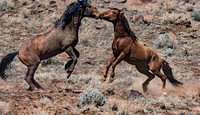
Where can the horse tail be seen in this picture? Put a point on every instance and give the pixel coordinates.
(168, 72)
(5, 62)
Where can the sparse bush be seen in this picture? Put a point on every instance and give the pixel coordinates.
(91, 96)
(164, 42)
(122, 113)
(3, 5)
(196, 15)
(86, 43)
(169, 17)
(169, 52)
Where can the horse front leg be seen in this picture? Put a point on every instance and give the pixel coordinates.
(114, 64)
(69, 63)
(112, 59)
(74, 54)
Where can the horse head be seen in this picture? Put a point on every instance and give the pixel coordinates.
(88, 9)
(111, 15)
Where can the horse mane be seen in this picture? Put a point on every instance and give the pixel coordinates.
(127, 28)
(126, 25)
(66, 18)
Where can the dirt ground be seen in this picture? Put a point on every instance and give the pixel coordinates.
(172, 27)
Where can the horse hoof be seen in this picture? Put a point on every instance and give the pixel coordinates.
(103, 79)
(164, 94)
(111, 80)
(146, 93)
(39, 90)
(30, 89)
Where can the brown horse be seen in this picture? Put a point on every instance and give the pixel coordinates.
(63, 37)
(126, 47)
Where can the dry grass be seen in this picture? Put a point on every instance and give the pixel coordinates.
(96, 36)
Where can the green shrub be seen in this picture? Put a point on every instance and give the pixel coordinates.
(163, 42)
(91, 96)
(196, 15)
(3, 5)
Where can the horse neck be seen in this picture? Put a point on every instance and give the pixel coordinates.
(119, 30)
(122, 29)
(75, 24)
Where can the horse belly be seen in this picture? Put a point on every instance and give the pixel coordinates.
(49, 50)
(137, 62)
(50, 54)
(130, 61)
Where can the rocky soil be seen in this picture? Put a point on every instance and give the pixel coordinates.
(172, 27)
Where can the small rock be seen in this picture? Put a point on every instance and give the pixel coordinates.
(52, 2)
(114, 107)
(123, 1)
(135, 94)
(120, 1)
(148, 18)
(162, 106)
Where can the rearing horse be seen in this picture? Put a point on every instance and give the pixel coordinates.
(63, 37)
(126, 47)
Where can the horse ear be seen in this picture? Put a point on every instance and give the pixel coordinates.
(83, 2)
(121, 13)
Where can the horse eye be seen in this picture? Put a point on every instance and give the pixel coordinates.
(89, 6)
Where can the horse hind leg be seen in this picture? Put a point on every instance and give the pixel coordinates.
(38, 86)
(154, 67)
(163, 78)
(29, 78)
(146, 83)
(148, 74)
(31, 60)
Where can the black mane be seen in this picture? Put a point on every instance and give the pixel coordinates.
(66, 18)
(127, 28)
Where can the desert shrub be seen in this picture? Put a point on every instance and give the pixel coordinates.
(196, 15)
(3, 5)
(163, 42)
(91, 96)
(169, 52)
(86, 43)
(169, 17)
